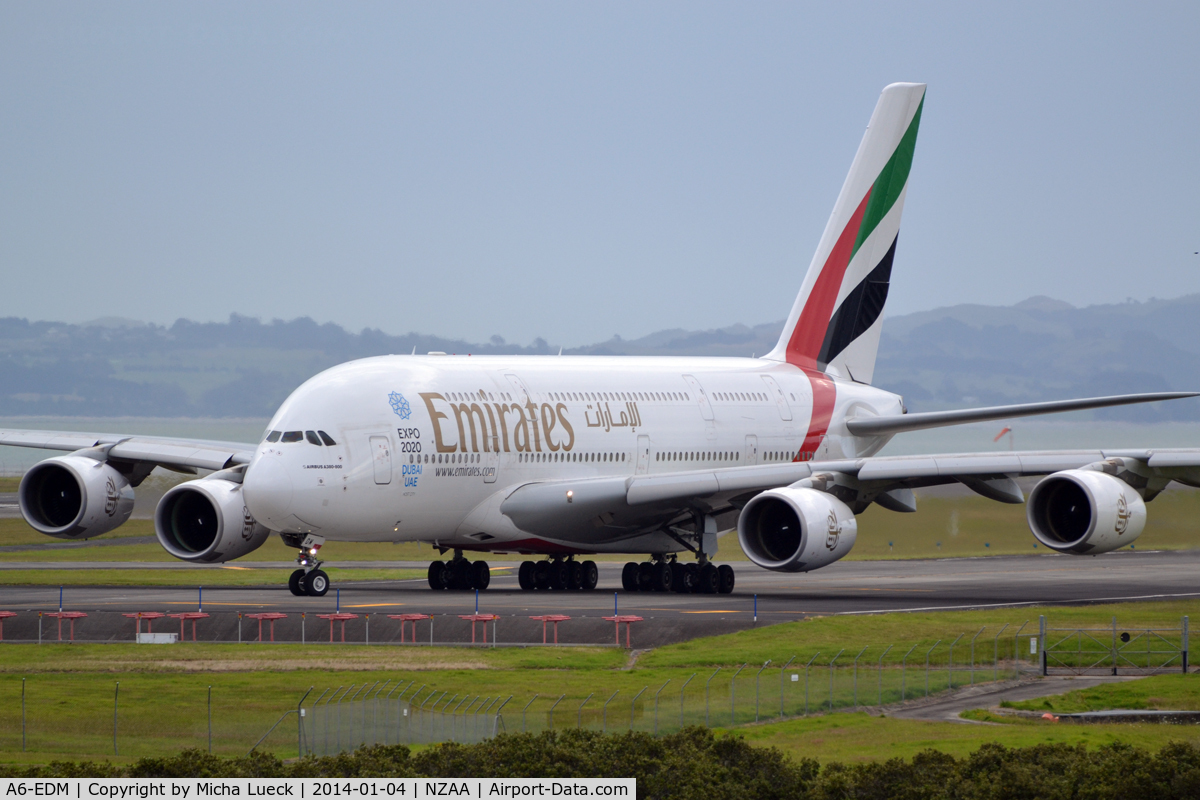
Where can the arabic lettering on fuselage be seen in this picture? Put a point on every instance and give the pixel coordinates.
(477, 425)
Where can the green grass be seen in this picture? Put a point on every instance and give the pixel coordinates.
(858, 737)
(942, 527)
(230, 575)
(1167, 692)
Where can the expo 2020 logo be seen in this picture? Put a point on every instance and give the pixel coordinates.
(400, 405)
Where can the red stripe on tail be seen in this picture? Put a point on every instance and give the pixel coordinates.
(809, 333)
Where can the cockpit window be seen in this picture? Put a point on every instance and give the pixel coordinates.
(326, 438)
(312, 438)
(273, 436)
(292, 436)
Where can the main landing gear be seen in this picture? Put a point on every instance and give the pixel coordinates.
(459, 574)
(561, 574)
(668, 575)
(309, 580)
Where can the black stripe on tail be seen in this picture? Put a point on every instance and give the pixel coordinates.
(859, 310)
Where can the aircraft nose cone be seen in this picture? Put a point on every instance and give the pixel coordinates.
(267, 489)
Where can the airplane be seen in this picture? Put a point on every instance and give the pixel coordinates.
(563, 457)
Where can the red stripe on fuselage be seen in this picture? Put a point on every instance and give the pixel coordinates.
(809, 334)
(824, 396)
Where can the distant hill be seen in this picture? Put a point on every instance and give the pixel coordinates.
(960, 355)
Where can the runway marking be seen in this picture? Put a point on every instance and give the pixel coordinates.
(719, 611)
(1020, 603)
(375, 605)
(233, 566)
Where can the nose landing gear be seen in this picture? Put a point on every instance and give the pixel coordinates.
(309, 580)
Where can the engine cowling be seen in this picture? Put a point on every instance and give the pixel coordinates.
(1083, 512)
(74, 497)
(796, 530)
(207, 521)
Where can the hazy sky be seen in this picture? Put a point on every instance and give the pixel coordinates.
(575, 170)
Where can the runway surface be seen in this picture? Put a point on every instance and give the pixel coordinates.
(854, 587)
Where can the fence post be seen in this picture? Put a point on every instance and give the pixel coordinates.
(523, 710)
(806, 666)
(706, 683)
(835, 658)
(1017, 648)
(856, 658)
(879, 672)
(756, 677)
(303, 638)
(210, 719)
(681, 688)
(656, 694)
(733, 696)
(950, 663)
(116, 697)
(239, 627)
(299, 725)
(579, 720)
(1185, 645)
(604, 717)
(903, 666)
(782, 670)
(556, 702)
(996, 653)
(973, 638)
(633, 705)
(1042, 642)
(1114, 645)
(935, 644)
(23, 717)
(497, 718)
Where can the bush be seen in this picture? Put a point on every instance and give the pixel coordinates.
(696, 764)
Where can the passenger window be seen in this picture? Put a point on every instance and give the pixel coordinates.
(273, 436)
(326, 438)
(291, 436)
(312, 438)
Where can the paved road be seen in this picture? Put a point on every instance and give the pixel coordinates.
(857, 587)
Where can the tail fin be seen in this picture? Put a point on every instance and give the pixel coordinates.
(834, 325)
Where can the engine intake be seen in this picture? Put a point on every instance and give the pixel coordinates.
(796, 530)
(1083, 512)
(207, 520)
(74, 497)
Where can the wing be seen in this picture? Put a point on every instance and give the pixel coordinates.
(639, 503)
(181, 455)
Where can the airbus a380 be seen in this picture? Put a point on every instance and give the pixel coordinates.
(562, 457)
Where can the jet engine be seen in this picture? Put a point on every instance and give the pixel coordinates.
(796, 530)
(74, 497)
(206, 520)
(1083, 512)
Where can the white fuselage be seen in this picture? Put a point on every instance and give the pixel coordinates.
(426, 447)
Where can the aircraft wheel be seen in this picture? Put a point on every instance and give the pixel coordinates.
(591, 576)
(574, 575)
(725, 582)
(294, 585)
(710, 579)
(662, 577)
(646, 576)
(525, 576)
(677, 571)
(316, 583)
(436, 575)
(541, 574)
(481, 575)
(691, 578)
(560, 575)
(629, 577)
(461, 579)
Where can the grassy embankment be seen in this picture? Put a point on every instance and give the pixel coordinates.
(164, 689)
